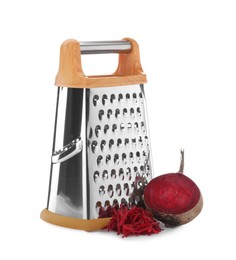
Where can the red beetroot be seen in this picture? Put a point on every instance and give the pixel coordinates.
(134, 221)
(173, 198)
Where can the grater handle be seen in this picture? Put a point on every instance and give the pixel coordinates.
(128, 72)
(103, 47)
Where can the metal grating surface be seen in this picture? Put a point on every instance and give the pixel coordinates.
(118, 149)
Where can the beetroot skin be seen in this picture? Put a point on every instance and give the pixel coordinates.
(173, 198)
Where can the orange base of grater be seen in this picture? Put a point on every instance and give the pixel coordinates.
(75, 223)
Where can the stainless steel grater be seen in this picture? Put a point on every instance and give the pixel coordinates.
(101, 149)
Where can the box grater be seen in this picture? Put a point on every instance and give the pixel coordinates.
(101, 153)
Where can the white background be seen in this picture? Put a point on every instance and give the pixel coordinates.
(188, 51)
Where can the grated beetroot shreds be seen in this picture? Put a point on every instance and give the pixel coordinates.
(133, 221)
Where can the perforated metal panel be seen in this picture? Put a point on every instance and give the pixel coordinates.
(118, 148)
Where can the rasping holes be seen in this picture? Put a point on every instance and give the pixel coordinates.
(97, 130)
(96, 176)
(118, 189)
(102, 190)
(113, 174)
(109, 113)
(110, 191)
(100, 114)
(103, 143)
(105, 175)
(106, 128)
(104, 99)
(95, 100)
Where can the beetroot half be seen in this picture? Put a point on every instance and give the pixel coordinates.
(173, 198)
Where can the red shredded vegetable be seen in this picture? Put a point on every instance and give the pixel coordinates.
(133, 221)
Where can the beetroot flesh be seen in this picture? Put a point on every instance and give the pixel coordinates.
(172, 193)
(173, 198)
(133, 221)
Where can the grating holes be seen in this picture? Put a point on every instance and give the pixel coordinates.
(139, 111)
(135, 169)
(101, 190)
(115, 203)
(106, 128)
(103, 144)
(99, 160)
(123, 202)
(109, 113)
(98, 204)
(132, 112)
(146, 139)
(105, 175)
(125, 111)
(132, 186)
(134, 141)
(113, 174)
(144, 154)
(120, 97)
(95, 100)
(122, 126)
(96, 176)
(100, 114)
(129, 126)
(140, 95)
(116, 158)
(107, 203)
(110, 191)
(142, 168)
(135, 97)
(126, 189)
(90, 133)
(113, 97)
(114, 127)
(124, 156)
(128, 173)
(127, 96)
(136, 125)
(111, 143)
(117, 112)
(97, 130)
(138, 155)
(121, 174)
(104, 99)
(126, 141)
(118, 189)
(145, 182)
(143, 126)
(108, 158)
(140, 184)
(94, 146)
(131, 155)
(119, 142)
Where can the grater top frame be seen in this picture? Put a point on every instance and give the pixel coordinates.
(128, 72)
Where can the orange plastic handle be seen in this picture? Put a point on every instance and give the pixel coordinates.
(70, 73)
